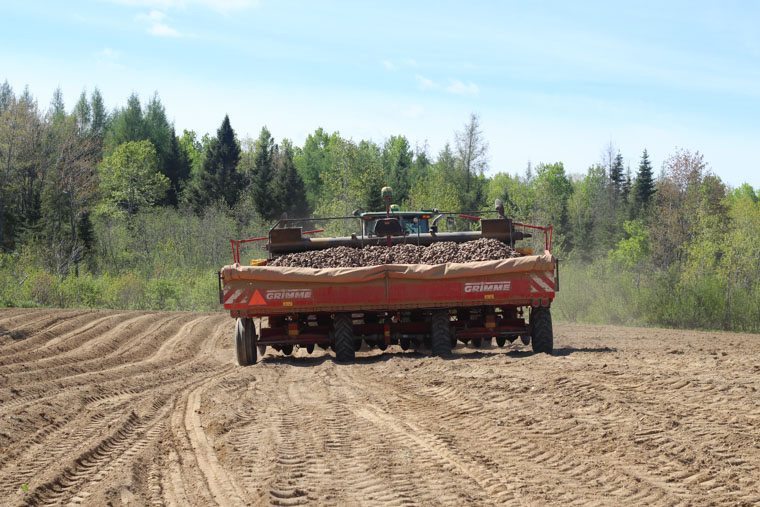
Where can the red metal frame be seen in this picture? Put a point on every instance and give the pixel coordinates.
(390, 296)
(235, 243)
(548, 233)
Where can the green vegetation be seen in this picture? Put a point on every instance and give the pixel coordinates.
(118, 211)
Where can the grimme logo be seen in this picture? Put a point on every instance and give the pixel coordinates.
(278, 294)
(477, 287)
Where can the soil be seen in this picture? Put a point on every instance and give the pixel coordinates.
(104, 407)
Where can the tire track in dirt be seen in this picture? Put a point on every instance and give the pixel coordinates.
(30, 328)
(97, 410)
(181, 348)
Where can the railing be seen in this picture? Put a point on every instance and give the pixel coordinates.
(548, 233)
(235, 243)
(468, 215)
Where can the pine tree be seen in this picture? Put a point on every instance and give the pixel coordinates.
(644, 187)
(219, 177)
(159, 132)
(57, 110)
(99, 115)
(6, 96)
(177, 170)
(625, 189)
(128, 125)
(263, 173)
(616, 174)
(86, 233)
(287, 188)
(83, 114)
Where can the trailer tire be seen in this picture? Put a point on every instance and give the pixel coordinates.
(501, 341)
(287, 349)
(245, 342)
(542, 335)
(440, 332)
(344, 339)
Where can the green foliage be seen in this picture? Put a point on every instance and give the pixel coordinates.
(632, 251)
(312, 162)
(644, 188)
(219, 178)
(130, 179)
(126, 125)
(680, 250)
(287, 187)
(262, 176)
(397, 164)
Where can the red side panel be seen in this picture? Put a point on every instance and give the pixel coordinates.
(277, 297)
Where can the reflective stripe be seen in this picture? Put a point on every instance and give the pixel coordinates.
(541, 283)
(233, 296)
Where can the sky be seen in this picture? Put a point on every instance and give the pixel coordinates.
(550, 81)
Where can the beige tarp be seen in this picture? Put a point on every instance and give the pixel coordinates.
(528, 263)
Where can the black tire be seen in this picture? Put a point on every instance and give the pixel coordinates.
(381, 344)
(501, 341)
(542, 335)
(476, 342)
(287, 349)
(310, 348)
(245, 342)
(404, 343)
(344, 339)
(440, 334)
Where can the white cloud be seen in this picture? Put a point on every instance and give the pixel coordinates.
(459, 88)
(424, 83)
(389, 66)
(156, 24)
(163, 30)
(108, 54)
(222, 6)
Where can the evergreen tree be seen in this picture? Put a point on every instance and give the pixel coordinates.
(177, 170)
(128, 125)
(397, 163)
(644, 187)
(86, 233)
(6, 96)
(616, 175)
(288, 190)
(83, 114)
(219, 177)
(99, 116)
(625, 189)
(159, 132)
(263, 173)
(57, 108)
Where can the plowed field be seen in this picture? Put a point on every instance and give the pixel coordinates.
(149, 408)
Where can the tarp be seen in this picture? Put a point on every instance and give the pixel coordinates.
(447, 271)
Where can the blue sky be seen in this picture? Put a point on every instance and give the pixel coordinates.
(551, 81)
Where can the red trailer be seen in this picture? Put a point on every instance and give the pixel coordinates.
(412, 305)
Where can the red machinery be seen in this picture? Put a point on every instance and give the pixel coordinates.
(406, 304)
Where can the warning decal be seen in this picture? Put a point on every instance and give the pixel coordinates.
(256, 298)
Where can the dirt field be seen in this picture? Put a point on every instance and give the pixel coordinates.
(149, 408)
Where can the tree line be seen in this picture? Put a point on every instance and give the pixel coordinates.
(87, 192)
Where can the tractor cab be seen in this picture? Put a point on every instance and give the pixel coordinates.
(411, 222)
